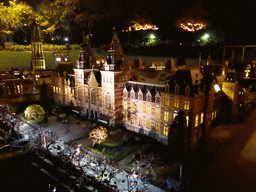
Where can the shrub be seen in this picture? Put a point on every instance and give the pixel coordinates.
(34, 113)
(1, 48)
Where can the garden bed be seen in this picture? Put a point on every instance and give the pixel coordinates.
(114, 147)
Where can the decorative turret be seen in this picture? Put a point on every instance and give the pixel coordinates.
(86, 59)
(115, 57)
(38, 61)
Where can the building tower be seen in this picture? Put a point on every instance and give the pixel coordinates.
(38, 61)
(114, 77)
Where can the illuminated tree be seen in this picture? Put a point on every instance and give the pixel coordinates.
(98, 135)
(14, 16)
(42, 140)
(34, 113)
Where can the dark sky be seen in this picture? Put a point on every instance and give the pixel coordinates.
(235, 18)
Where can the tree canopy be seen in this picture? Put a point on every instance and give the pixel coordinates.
(34, 113)
(14, 15)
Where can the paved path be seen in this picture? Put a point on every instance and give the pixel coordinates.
(234, 167)
(72, 131)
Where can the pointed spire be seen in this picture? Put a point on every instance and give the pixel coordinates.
(36, 34)
(86, 57)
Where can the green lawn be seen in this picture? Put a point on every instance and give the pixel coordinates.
(22, 59)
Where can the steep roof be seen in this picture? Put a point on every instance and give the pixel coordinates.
(63, 68)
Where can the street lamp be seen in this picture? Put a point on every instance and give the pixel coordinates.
(66, 39)
(206, 36)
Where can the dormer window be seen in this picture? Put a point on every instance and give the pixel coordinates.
(125, 93)
(177, 89)
(132, 94)
(167, 88)
(148, 96)
(187, 90)
(140, 95)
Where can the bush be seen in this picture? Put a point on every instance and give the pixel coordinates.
(1, 48)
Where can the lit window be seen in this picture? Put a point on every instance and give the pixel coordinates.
(212, 115)
(215, 114)
(66, 90)
(176, 103)
(187, 121)
(125, 117)
(157, 113)
(140, 108)
(166, 115)
(157, 125)
(140, 121)
(166, 101)
(175, 114)
(202, 118)
(53, 88)
(132, 107)
(149, 124)
(148, 110)
(186, 105)
(196, 121)
(59, 90)
(18, 87)
(132, 120)
(157, 99)
(140, 95)
(165, 130)
(125, 105)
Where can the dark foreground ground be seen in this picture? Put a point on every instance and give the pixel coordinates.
(18, 174)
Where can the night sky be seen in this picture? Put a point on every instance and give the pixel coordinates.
(235, 20)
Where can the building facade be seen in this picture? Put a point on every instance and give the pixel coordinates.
(144, 101)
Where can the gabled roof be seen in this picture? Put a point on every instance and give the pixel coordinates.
(153, 89)
(182, 78)
(61, 68)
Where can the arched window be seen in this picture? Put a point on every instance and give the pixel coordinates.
(132, 107)
(93, 97)
(79, 94)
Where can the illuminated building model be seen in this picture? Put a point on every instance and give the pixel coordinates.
(145, 101)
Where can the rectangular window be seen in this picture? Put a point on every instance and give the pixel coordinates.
(186, 105)
(149, 124)
(140, 121)
(157, 125)
(215, 114)
(157, 113)
(132, 120)
(125, 105)
(166, 115)
(187, 121)
(212, 115)
(140, 96)
(166, 101)
(176, 103)
(165, 130)
(53, 89)
(125, 117)
(133, 107)
(175, 113)
(59, 90)
(66, 91)
(140, 108)
(196, 121)
(202, 118)
(148, 110)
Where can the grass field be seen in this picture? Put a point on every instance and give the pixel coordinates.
(22, 59)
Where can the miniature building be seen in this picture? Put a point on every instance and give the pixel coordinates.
(144, 101)
(38, 61)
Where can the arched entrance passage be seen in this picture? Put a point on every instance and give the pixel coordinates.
(96, 115)
(92, 114)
